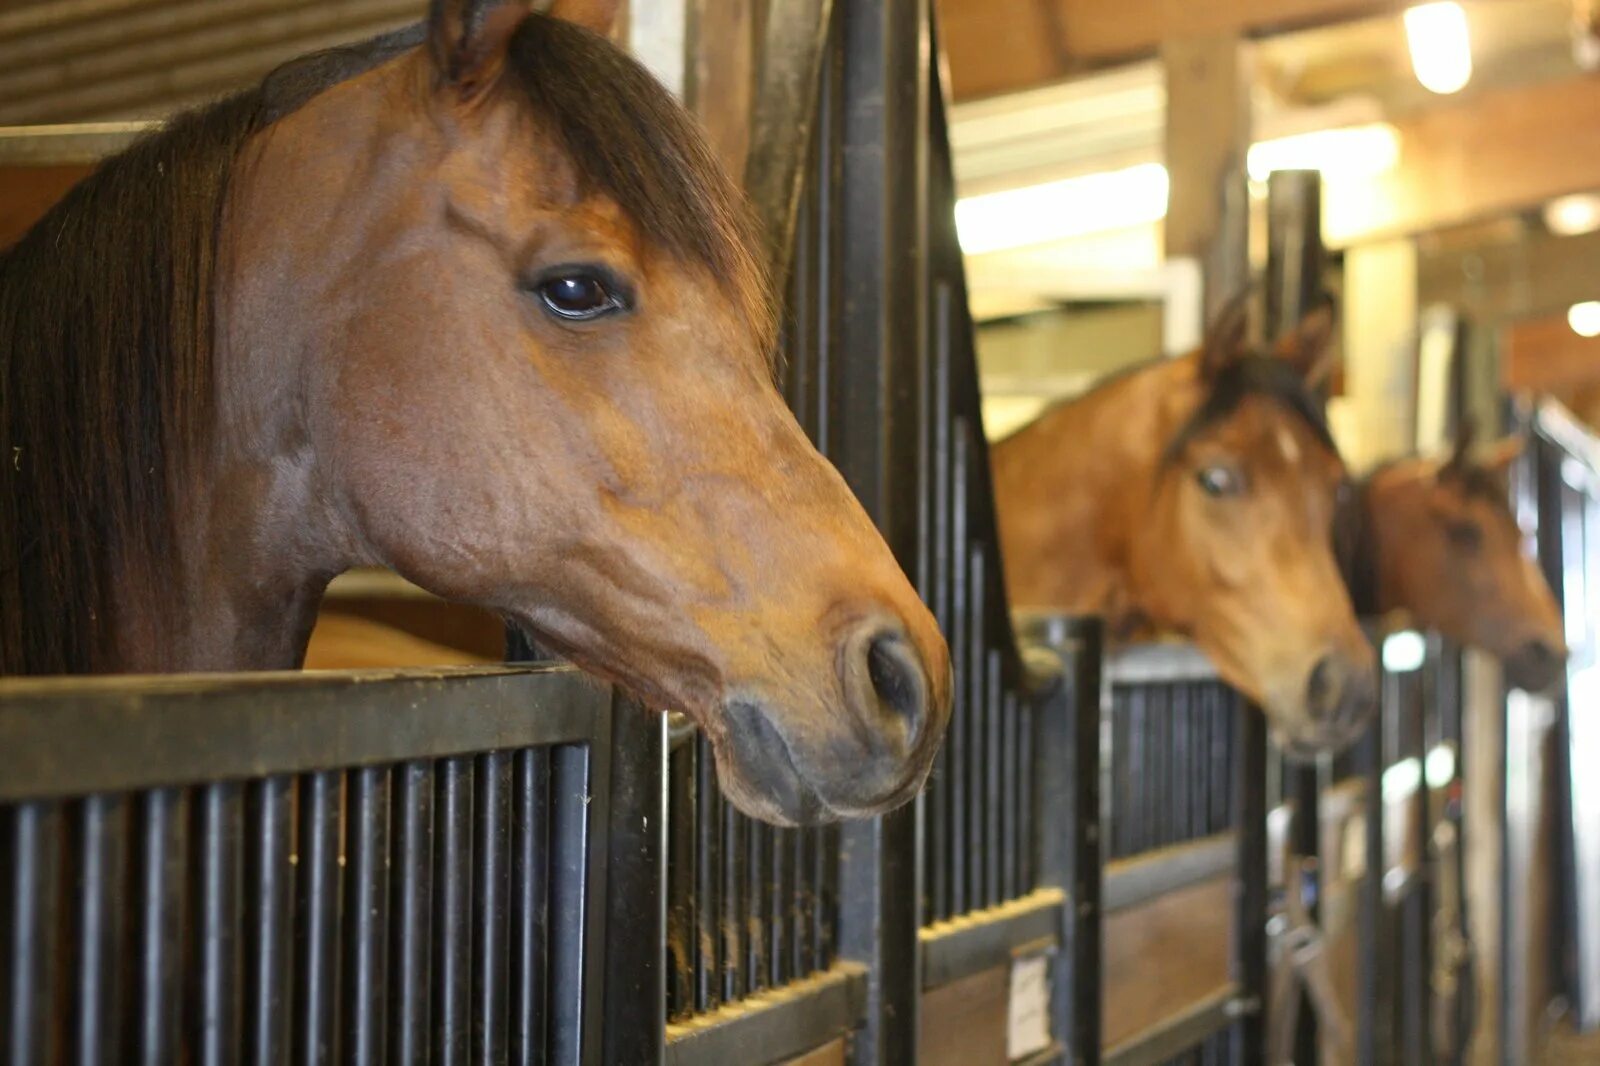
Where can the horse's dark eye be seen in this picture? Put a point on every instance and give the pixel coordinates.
(1465, 535)
(1219, 481)
(577, 297)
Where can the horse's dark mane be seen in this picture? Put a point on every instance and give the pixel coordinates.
(1249, 375)
(1254, 375)
(106, 378)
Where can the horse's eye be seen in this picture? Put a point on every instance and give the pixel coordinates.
(1219, 481)
(1465, 535)
(577, 297)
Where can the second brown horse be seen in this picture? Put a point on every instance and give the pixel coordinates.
(1196, 496)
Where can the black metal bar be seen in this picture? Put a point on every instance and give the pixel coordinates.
(411, 908)
(569, 887)
(269, 875)
(708, 904)
(317, 921)
(452, 912)
(97, 1011)
(635, 984)
(530, 902)
(1250, 922)
(158, 939)
(687, 974)
(364, 979)
(32, 956)
(491, 887)
(218, 816)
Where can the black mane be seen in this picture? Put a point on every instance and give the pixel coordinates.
(106, 377)
(1254, 375)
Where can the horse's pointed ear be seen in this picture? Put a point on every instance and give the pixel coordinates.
(1228, 336)
(1306, 346)
(1461, 453)
(1498, 457)
(597, 15)
(469, 39)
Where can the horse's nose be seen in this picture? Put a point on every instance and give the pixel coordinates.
(1339, 693)
(885, 684)
(1536, 665)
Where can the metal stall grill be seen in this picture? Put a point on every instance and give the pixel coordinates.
(353, 869)
(1183, 792)
(1559, 487)
(851, 926)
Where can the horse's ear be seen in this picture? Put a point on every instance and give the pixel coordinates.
(597, 15)
(1461, 453)
(1498, 457)
(469, 39)
(1306, 346)
(1227, 338)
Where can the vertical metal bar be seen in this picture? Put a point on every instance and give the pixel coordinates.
(219, 815)
(686, 974)
(956, 740)
(411, 905)
(491, 886)
(1014, 797)
(994, 768)
(96, 1014)
(978, 754)
(569, 885)
(317, 919)
(735, 910)
(1250, 922)
(706, 921)
(158, 939)
(780, 887)
(452, 911)
(756, 900)
(633, 833)
(32, 953)
(530, 902)
(268, 879)
(366, 875)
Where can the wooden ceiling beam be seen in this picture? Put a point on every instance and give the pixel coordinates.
(1484, 156)
(999, 46)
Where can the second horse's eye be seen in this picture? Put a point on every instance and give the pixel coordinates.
(1219, 481)
(577, 297)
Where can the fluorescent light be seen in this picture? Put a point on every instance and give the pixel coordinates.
(1404, 651)
(1348, 152)
(1057, 210)
(1584, 318)
(1568, 216)
(1441, 47)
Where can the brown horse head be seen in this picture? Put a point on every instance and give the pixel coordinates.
(486, 312)
(1450, 556)
(1196, 496)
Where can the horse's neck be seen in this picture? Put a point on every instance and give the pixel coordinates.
(243, 596)
(1069, 488)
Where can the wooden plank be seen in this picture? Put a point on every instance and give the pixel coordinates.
(965, 1021)
(26, 194)
(1207, 136)
(1513, 274)
(1482, 156)
(1544, 355)
(996, 48)
(1165, 956)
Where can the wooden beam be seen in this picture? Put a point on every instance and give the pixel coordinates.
(999, 47)
(1483, 156)
(27, 193)
(1207, 135)
(1544, 355)
(1531, 274)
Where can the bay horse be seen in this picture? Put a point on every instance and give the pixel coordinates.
(1432, 542)
(1195, 496)
(472, 301)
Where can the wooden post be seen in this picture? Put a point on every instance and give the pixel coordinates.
(1207, 137)
(1380, 336)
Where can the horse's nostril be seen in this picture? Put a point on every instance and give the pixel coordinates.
(898, 682)
(1324, 689)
